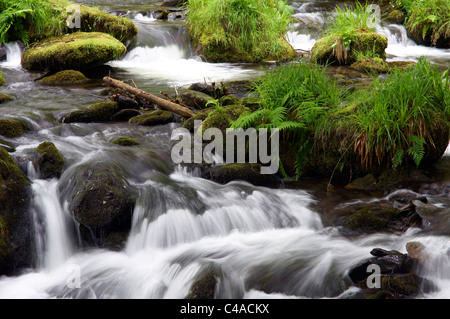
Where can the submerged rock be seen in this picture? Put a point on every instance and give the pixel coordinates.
(125, 141)
(76, 51)
(50, 161)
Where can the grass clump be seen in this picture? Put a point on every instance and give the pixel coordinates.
(402, 121)
(428, 21)
(240, 30)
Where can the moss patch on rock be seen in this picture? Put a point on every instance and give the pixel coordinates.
(159, 117)
(2, 80)
(330, 49)
(50, 160)
(12, 127)
(200, 115)
(76, 51)
(125, 141)
(5, 98)
(64, 77)
(371, 65)
(99, 112)
(371, 218)
(195, 99)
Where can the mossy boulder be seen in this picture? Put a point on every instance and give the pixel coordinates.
(372, 218)
(50, 161)
(5, 98)
(200, 115)
(99, 112)
(7, 146)
(103, 205)
(330, 49)
(229, 100)
(401, 286)
(195, 99)
(76, 51)
(222, 117)
(15, 222)
(159, 117)
(12, 127)
(252, 103)
(125, 141)
(371, 65)
(64, 77)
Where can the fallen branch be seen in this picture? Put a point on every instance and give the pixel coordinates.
(170, 106)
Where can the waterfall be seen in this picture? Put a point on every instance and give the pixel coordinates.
(13, 56)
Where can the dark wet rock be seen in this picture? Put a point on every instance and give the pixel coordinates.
(103, 205)
(99, 112)
(159, 117)
(204, 286)
(16, 240)
(248, 172)
(209, 89)
(2, 52)
(50, 162)
(5, 98)
(401, 286)
(435, 219)
(125, 141)
(125, 115)
(163, 15)
(125, 102)
(195, 99)
(379, 252)
(12, 127)
(388, 264)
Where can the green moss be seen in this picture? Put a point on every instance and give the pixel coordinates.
(372, 218)
(99, 112)
(12, 127)
(125, 141)
(330, 49)
(200, 115)
(229, 100)
(402, 285)
(2, 80)
(153, 118)
(371, 65)
(5, 98)
(252, 103)
(5, 245)
(75, 51)
(50, 160)
(222, 117)
(195, 99)
(64, 77)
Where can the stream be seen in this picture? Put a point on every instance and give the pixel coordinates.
(267, 243)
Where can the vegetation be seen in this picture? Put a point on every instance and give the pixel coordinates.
(403, 120)
(428, 20)
(240, 30)
(350, 36)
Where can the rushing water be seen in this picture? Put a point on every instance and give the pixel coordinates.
(267, 243)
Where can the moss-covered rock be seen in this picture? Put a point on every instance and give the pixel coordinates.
(12, 127)
(227, 100)
(5, 98)
(252, 103)
(371, 65)
(222, 117)
(15, 235)
(396, 16)
(76, 51)
(103, 205)
(7, 146)
(401, 286)
(64, 77)
(125, 115)
(330, 49)
(371, 218)
(153, 118)
(200, 115)
(99, 112)
(50, 161)
(125, 141)
(195, 99)
(2, 80)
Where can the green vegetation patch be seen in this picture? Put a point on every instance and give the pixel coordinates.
(125, 141)
(240, 30)
(64, 77)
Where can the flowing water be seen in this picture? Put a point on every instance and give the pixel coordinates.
(267, 243)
